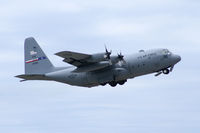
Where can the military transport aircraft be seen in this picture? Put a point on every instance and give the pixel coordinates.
(89, 70)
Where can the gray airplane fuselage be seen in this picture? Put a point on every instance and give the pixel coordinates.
(138, 64)
(89, 70)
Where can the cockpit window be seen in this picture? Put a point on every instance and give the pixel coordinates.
(166, 52)
(169, 53)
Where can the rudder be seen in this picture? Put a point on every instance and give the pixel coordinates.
(36, 62)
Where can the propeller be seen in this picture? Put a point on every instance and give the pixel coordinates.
(120, 56)
(121, 59)
(107, 55)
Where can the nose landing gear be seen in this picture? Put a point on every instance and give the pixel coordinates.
(165, 71)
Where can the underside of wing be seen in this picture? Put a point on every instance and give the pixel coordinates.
(73, 58)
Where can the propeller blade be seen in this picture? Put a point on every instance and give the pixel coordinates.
(121, 59)
(107, 54)
(120, 56)
(106, 49)
(158, 73)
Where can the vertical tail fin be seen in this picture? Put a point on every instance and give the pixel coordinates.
(36, 62)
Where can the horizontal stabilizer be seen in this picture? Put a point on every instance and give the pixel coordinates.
(33, 77)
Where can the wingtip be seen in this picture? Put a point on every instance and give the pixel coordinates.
(60, 53)
(56, 53)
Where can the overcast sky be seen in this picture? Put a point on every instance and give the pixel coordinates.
(145, 104)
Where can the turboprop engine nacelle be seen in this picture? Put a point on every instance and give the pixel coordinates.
(120, 74)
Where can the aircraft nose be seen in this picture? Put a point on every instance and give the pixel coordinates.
(177, 58)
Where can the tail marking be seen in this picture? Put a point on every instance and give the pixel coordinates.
(36, 59)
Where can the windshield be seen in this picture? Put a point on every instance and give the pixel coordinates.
(166, 52)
